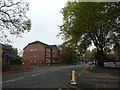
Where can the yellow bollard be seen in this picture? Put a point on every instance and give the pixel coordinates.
(73, 77)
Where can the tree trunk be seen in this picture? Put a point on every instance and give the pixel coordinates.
(100, 57)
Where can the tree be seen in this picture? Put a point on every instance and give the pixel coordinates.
(93, 52)
(68, 54)
(87, 54)
(87, 23)
(9, 49)
(9, 56)
(13, 17)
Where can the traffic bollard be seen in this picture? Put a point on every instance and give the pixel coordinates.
(73, 78)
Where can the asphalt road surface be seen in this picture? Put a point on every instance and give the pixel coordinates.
(43, 77)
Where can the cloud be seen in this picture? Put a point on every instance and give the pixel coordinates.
(45, 16)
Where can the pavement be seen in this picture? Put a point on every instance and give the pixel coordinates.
(96, 81)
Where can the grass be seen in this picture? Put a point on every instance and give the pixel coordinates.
(110, 71)
(0, 60)
(106, 86)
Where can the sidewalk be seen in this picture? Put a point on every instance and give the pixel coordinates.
(26, 68)
(17, 69)
(96, 81)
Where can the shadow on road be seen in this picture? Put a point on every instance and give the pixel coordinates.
(85, 86)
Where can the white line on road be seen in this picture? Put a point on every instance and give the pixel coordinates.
(13, 80)
(35, 74)
(79, 74)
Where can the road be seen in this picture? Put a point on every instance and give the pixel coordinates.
(43, 77)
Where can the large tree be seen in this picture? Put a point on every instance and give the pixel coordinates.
(87, 23)
(68, 54)
(13, 18)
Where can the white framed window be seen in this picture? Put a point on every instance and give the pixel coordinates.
(53, 56)
(31, 55)
(48, 61)
(35, 55)
(47, 54)
(31, 49)
(35, 49)
(35, 61)
(53, 50)
(47, 50)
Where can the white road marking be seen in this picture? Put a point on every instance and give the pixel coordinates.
(13, 80)
(35, 74)
(79, 74)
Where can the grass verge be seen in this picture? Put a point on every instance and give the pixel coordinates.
(110, 71)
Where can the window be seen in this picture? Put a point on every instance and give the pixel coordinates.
(53, 50)
(31, 55)
(35, 49)
(35, 61)
(31, 49)
(48, 61)
(53, 55)
(47, 54)
(47, 50)
(35, 55)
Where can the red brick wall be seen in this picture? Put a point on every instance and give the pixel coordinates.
(34, 54)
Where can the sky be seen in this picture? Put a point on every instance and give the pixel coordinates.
(46, 18)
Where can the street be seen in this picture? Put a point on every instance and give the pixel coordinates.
(59, 77)
(48, 77)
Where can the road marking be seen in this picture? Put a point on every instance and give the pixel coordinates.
(13, 80)
(35, 74)
(79, 74)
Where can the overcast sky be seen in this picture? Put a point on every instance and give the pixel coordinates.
(45, 17)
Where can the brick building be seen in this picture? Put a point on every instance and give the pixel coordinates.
(40, 53)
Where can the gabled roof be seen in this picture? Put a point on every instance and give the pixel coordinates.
(43, 44)
(52, 46)
(37, 42)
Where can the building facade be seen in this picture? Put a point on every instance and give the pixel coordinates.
(40, 53)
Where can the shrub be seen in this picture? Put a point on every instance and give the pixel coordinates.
(16, 61)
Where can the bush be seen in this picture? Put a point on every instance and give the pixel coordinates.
(16, 61)
(57, 62)
(5, 68)
(70, 61)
